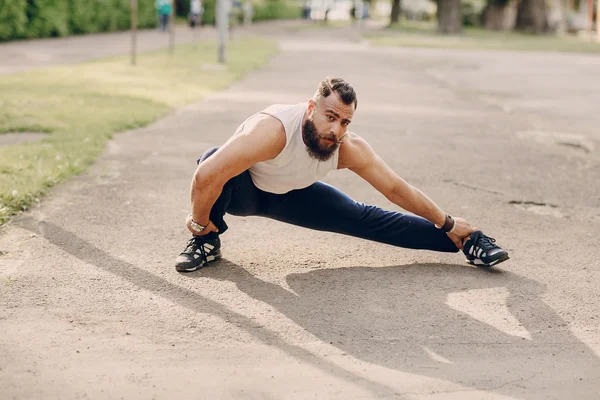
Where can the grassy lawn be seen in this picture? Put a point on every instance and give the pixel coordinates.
(82, 106)
(423, 34)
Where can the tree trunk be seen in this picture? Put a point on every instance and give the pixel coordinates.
(499, 16)
(532, 16)
(449, 16)
(395, 16)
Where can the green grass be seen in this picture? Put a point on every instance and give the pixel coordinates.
(423, 34)
(82, 106)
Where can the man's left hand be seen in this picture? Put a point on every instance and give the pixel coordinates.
(462, 230)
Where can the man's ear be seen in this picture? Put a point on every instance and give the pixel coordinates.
(311, 107)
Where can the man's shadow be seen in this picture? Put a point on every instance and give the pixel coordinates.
(401, 318)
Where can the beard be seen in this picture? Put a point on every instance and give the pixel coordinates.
(312, 139)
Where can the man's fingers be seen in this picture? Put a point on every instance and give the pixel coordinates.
(213, 228)
(457, 241)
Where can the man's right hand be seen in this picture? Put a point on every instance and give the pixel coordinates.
(209, 228)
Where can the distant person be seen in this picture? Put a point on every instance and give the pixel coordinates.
(272, 167)
(306, 10)
(164, 9)
(195, 13)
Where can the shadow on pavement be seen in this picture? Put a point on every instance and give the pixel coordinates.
(88, 253)
(400, 318)
(397, 317)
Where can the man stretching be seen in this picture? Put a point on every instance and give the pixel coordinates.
(272, 166)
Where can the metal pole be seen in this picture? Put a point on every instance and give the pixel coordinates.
(133, 5)
(172, 28)
(221, 16)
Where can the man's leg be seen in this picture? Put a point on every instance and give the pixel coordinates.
(238, 197)
(323, 207)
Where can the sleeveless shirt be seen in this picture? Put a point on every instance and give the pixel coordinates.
(293, 168)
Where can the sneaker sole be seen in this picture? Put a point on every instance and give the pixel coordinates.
(479, 263)
(209, 259)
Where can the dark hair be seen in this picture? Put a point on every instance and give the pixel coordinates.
(343, 89)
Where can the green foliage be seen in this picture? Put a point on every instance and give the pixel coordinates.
(146, 14)
(82, 17)
(47, 18)
(13, 18)
(276, 9)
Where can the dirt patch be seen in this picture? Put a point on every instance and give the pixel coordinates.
(7, 139)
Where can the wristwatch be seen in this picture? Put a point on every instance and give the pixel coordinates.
(196, 226)
(449, 224)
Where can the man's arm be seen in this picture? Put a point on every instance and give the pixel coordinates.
(358, 156)
(262, 138)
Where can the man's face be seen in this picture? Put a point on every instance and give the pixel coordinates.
(325, 125)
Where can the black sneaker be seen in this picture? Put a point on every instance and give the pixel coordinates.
(482, 251)
(198, 253)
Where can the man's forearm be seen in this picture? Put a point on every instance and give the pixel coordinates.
(413, 200)
(203, 197)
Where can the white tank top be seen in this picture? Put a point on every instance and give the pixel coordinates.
(293, 168)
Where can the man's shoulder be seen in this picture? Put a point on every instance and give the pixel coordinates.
(263, 126)
(263, 121)
(353, 151)
(353, 143)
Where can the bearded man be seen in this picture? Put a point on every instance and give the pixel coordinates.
(272, 167)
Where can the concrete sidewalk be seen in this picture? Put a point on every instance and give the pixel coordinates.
(22, 56)
(91, 306)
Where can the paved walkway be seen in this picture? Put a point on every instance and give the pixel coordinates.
(90, 305)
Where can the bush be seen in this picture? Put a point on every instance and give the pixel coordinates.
(13, 17)
(276, 9)
(48, 18)
(82, 17)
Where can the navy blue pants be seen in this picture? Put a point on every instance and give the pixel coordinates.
(325, 208)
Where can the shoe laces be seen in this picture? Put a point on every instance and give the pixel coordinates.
(484, 242)
(192, 245)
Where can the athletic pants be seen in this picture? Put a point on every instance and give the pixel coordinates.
(322, 207)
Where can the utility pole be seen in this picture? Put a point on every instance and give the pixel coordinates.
(172, 28)
(133, 6)
(222, 29)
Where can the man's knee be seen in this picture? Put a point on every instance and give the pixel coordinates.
(207, 154)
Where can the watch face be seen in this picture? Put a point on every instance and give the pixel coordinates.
(197, 227)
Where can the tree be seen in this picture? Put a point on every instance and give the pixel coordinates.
(496, 13)
(395, 16)
(449, 16)
(532, 16)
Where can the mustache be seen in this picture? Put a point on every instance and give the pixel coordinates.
(333, 138)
